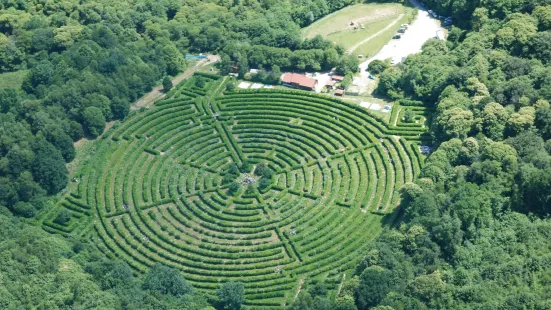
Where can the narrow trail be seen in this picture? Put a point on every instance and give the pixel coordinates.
(300, 283)
(157, 92)
(220, 85)
(341, 284)
(397, 117)
(355, 46)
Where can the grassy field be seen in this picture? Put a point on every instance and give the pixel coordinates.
(374, 45)
(340, 20)
(373, 17)
(12, 79)
(348, 38)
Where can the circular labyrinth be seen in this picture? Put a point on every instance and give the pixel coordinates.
(153, 189)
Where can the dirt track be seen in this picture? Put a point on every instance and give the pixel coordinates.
(355, 46)
(156, 93)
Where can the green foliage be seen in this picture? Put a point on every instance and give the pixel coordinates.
(375, 284)
(167, 84)
(246, 166)
(231, 295)
(319, 289)
(378, 66)
(347, 81)
(63, 217)
(111, 274)
(305, 301)
(233, 188)
(48, 167)
(264, 183)
(50, 274)
(230, 86)
(347, 64)
(259, 170)
(409, 116)
(250, 189)
(390, 83)
(200, 82)
(94, 121)
(80, 65)
(490, 167)
(180, 207)
(166, 281)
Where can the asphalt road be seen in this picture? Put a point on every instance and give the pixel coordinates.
(423, 28)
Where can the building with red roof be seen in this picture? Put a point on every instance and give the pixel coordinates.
(337, 78)
(299, 80)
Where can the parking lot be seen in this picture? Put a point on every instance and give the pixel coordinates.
(423, 28)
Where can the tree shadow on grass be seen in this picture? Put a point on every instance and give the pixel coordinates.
(391, 219)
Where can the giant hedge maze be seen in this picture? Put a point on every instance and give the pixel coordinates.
(153, 189)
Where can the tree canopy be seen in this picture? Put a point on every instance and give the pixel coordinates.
(483, 192)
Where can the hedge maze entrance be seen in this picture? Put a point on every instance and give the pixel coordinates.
(154, 190)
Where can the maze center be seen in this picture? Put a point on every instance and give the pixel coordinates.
(154, 192)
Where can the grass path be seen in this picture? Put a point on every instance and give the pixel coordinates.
(300, 283)
(341, 284)
(355, 46)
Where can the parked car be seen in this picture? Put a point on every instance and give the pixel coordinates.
(371, 76)
(406, 26)
(397, 36)
(402, 30)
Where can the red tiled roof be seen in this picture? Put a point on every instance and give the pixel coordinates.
(339, 92)
(299, 79)
(337, 77)
(330, 83)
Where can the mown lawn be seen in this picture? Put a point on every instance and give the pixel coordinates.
(373, 17)
(373, 46)
(350, 37)
(340, 20)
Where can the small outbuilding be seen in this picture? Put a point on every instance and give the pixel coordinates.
(330, 84)
(337, 78)
(339, 92)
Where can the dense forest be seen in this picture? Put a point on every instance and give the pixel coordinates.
(44, 271)
(474, 231)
